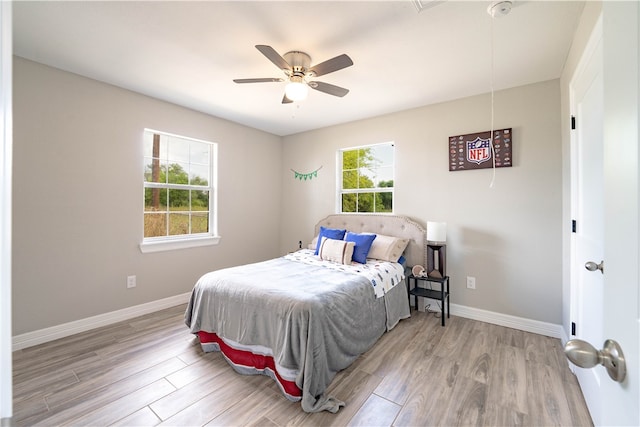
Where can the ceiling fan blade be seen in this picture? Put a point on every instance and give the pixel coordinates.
(286, 100)
(331, 65)
(329, 88)
(265, 80)
(273, 56)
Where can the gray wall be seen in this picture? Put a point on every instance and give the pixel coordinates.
(508, 236)
(77, 200)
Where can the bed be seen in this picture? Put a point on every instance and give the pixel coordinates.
(300, 319)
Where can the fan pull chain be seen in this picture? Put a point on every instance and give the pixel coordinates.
(493, 151)
(297, 107)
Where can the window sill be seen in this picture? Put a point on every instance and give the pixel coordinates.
(170, 245)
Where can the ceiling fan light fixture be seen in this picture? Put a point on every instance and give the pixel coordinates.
(296, 67)
(296, 89)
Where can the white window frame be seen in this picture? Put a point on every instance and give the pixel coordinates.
(340, 191)
(166, 243)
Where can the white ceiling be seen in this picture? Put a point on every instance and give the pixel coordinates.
(189, 53)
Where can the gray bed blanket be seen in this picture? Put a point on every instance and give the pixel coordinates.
(316, 321)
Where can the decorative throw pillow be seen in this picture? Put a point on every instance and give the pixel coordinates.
(329, 233)
(313, 244)
(387, 248)
(363, 244)
(338, 251)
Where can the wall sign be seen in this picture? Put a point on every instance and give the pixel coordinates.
(473, 151)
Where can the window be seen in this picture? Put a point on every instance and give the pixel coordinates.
(179, 198)
(367, 178)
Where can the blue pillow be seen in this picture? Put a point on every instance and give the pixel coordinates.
(329, 233)
(363, 244)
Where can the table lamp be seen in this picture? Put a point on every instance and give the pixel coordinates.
(436, 249)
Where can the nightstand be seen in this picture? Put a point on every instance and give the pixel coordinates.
(441, 294)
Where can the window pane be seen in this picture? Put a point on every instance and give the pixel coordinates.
(365, 202)
(349, 159)
(384, 177)
(155, 170)
(177, 173)
(349, 202)
(383, 154)
(200, 222)
(365, 179)
(178, 150)
(199, 175)
(179, 200)
(155, 199)
(365, 157)
(178, 223)
(159, 149)
(199, 152)
(199, 200)
(350, 179)
(148, 144)
(155, 224)
(384, 202)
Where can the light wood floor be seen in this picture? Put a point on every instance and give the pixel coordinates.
(151, 371)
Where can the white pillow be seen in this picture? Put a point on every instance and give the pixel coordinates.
(387, 248)
(338, 251)
(314, 243)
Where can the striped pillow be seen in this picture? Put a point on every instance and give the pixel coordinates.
(387, 248)
(338, 251)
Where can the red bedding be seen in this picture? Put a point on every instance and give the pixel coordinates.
(246, 362)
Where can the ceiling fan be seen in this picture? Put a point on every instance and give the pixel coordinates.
(298, 72)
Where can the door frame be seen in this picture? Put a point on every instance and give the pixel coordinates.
(595, 38)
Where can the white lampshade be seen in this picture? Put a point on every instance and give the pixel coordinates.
(436, 231)
(296, 90)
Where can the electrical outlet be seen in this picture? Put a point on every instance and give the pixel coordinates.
(471, 282)
(131, 282)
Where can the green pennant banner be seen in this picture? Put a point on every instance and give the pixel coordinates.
(305, 176)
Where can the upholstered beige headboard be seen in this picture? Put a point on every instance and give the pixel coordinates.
(390, 225)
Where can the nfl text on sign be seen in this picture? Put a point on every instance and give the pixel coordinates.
(475, 151)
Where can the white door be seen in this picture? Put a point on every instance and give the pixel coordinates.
(588, 211)
(621, 57)
(617, 316)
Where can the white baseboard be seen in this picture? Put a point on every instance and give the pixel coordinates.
(30, 339)
(563, 336)
(521, 323)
